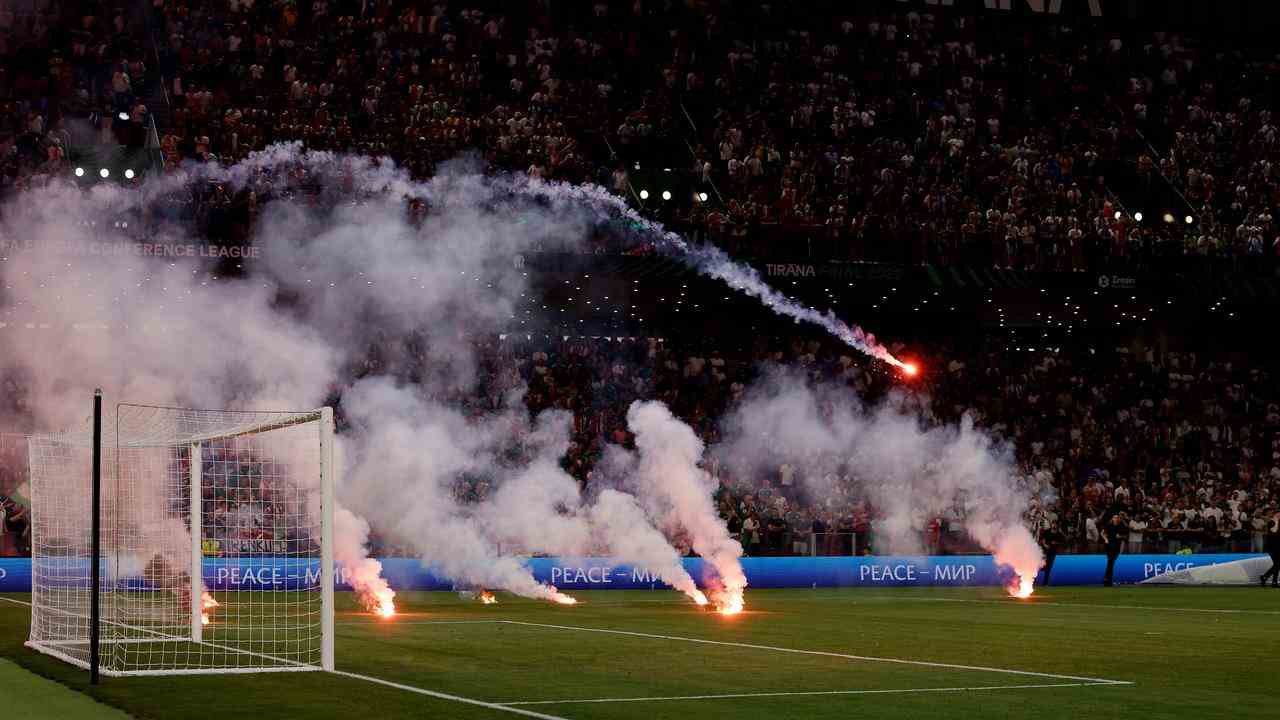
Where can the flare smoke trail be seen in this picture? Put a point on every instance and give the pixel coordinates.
(363, 573)
(634, 538)
(715, 263)
(666, 477)
(908, 469)
(542, 510)
(585, 203)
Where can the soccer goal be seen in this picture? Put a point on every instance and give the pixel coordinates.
(214, 552)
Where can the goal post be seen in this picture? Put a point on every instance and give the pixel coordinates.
(216, 542)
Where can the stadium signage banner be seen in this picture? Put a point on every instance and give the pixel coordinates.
(834, 271)
(769, 572)
(1117, 282)
(137, 249)
(15, 575)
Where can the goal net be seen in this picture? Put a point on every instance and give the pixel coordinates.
(216, 542)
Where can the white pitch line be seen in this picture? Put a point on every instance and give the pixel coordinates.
(814, 692)
(447, 696)
(824, 653)
(16, 602)
(1015, 603)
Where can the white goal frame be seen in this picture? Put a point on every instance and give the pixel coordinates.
(62, 648)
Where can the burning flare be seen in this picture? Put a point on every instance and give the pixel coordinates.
(487, 597)
(910, 369)
(698, 597)
(386, 606)
(563, 599)
(729, 602)
(1023, 588)
(379, 600)
(208, 603)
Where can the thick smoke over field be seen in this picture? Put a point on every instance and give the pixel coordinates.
(906, 468)
(665, 474)
(339, 274)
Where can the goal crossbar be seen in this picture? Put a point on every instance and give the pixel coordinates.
(229, 433)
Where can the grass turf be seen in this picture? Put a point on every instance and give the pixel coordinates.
(27, 695)
(1188, 652)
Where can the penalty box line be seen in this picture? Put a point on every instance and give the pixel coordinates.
(825, 653)
(446, 696)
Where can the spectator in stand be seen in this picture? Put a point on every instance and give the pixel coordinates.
(908, 136)
(1050, 543)
(14, 522)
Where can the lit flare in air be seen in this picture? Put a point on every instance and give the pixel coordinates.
(910, 369)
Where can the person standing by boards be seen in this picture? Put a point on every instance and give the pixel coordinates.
(1272, 546)
(1051, 540)
(1113, 528)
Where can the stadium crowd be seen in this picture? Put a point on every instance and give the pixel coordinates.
(903, 136)
(907, 136)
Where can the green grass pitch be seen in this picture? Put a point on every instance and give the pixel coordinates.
(620, 655)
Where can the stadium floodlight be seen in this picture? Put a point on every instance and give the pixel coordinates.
(1137, 216)
(644, 194)
(1117, 214)
(1189, 219)
(79, 172)
(182, 587)
(702, 196)
(123, 115)
(666, 194)
(104, 173)
(128, 174)
(1168, 217)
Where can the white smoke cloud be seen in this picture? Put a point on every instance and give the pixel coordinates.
(363, 573)
(632, 537)
(665, 474)
(337, 275)
(908, 468)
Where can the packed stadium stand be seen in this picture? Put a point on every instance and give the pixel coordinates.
(901, 134)
(910, 134)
